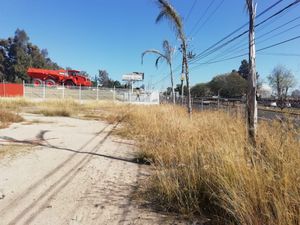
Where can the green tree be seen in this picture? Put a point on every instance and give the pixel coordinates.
(168, 12)
(228, 85)
(167, 55)
(117, 84)
(2, 65)
(17, 54)
(19, 59)
(200, 90)
(244, 69)
(105, 81)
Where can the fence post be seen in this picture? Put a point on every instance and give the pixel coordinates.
(202, 107)
(24, 93)
(44, 89)
(114, 94)
(97, 90)
(4, 91)
(63, 91)
(80, 92)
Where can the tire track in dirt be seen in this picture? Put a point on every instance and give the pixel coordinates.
(47, 176)
(87, 197)
(59, 184)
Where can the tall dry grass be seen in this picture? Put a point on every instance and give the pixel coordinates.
(6, 118)
(206, 166)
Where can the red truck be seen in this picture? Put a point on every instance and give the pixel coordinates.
(51, 78)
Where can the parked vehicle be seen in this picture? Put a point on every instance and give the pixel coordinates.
(273, 104)
(51, 78)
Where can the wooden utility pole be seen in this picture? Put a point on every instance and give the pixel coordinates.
(251, 91)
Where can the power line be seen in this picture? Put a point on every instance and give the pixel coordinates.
(241, 43)
(237, 49)
(259, 50)
(214, 46)
(280, 43)
(212, 50)
(280, 54)
(241, 27)
(164, 78)
(191, 10)
(209, 17)
(201, 17)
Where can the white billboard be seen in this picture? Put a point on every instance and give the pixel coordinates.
(135, 76)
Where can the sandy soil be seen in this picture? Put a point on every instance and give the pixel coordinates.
(77, 173)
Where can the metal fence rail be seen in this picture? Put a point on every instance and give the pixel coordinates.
(90, 93)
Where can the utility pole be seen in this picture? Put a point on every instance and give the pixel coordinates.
(251, 90)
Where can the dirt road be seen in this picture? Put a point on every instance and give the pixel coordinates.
(77, 173)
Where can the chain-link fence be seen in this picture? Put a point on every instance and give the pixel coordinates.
(91, 93)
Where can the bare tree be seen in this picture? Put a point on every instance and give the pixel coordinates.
(281, 80)
(167, 55)
(252, 88)
(168, 12)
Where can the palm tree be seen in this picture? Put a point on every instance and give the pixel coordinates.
(169, 13)
(167, 55)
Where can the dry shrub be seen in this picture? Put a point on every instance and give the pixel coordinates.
(14, 103)
(65, 108)
(54, 112)
(106, 110)
(6, 118)
(205, 166)
(12, 151)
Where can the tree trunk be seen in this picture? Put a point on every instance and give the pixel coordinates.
(172, 83)
(251, 91)
(189, 100)
(182, 79)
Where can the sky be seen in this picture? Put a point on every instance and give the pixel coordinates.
(110, 35)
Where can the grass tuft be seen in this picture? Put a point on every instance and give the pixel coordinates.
(54, 112)
(6, 118)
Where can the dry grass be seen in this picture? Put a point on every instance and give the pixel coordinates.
(6, 118)
(14, 104)
(206, 166)
(12, 151)
(64, 108)
(54, 112)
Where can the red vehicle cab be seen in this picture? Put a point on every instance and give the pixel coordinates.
(58, 77)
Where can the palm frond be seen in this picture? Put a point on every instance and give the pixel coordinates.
(160, 17)
(168, 51)
(157, 61)
(153, 51)
(168, 12)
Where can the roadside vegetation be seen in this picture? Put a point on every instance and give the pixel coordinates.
(7, 117)
(13, 150)
(205, 166)
(9, 111)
